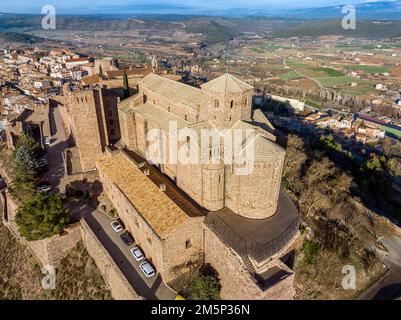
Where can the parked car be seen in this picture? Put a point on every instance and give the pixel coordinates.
(47, 141)
(137, 253)
(117, 227)
(44, 186)
(147, 269)
(126, 238)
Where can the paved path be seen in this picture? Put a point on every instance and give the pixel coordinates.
(153, 288)
(59, 142)
(389, 286)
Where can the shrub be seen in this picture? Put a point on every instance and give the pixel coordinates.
(206, 286)
(310, 250)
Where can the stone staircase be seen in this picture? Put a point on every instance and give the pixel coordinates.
(248, 264)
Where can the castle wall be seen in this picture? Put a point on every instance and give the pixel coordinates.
(86, 125)
(237, 283)
(112, 275)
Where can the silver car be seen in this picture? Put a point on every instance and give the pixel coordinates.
(117, 227)
(147, 269)
(137, 253)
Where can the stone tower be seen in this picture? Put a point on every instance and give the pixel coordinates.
(226, 100)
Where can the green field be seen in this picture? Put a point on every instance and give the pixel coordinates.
(372, 69)
(258, 50)
(329, 71)
(293, 63)
(290, 75)
(337, 81)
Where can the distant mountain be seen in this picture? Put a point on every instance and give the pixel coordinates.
(364, 28)
(383, 10)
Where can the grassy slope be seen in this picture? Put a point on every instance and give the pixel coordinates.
(20, 276)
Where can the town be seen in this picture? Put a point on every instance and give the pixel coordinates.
(79, 118)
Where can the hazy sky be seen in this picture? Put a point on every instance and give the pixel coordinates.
(103, 6)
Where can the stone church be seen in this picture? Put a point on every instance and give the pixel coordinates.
(244, 225)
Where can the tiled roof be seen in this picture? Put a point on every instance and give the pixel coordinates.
(159, 116)
(93, 79)
(161, 213)
(226, 84)
(171, 89)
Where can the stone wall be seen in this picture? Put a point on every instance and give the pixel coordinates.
(237, 283)
(114, 278)
(49, 251)
(52, 250)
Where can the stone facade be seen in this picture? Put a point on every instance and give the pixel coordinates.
(236, 281)
(91, 117)
(224, 104)
(119, 286)
(166, 249)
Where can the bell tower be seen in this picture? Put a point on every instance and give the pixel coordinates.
(226, 99)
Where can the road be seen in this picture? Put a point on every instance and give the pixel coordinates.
(389, 286)
(59, 142)
(151, 289)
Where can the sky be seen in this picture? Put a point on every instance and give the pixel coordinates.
(167, 6)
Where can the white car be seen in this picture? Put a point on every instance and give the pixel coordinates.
(47, 141)
(147, 269)
(117, 227)
(137, 253)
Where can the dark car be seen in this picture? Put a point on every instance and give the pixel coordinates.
(126, 238)
(44, 186)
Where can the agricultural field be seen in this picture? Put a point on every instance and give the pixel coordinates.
(338, 81)
(290, 75)
(372, 69)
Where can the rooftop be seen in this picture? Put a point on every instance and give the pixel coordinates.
(161, 213)
(258, 238)
(226, 84)
(173, 90)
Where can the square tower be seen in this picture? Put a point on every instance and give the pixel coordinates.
(226, 100)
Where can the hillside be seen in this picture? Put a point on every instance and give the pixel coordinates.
(364, 28)
(20, 275)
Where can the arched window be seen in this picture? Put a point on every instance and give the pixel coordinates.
(232, 104)
(186, 117)
(145, 98)
(216, 103)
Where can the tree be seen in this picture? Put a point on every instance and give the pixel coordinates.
(125, 85)
(26, 141)
(27, 158)
(41, 216)
(205, 287)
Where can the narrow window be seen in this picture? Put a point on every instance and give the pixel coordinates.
(229, 119)
(216, 103)
(188, 244)
(246, 101)
(145, 98)
(186, 118)
(232, 104)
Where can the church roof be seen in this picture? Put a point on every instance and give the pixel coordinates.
(173, 90)
(160, 212)
(226, 84)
